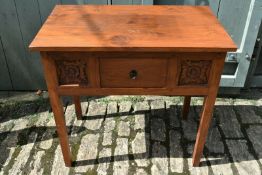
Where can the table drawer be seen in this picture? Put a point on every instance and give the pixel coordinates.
(135, 72)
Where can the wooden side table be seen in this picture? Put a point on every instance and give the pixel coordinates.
(132, 50)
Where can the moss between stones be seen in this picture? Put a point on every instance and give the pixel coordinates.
(74, 149)
(6, 130)
(12, 161)
(132, 99)
(91, 172)
(133, 165)
(48, 159)
(15, 109)
(32, 119)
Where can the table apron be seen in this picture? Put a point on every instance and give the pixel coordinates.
(180, 91)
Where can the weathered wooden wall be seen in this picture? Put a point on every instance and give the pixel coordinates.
(214, 4)
(21, 19)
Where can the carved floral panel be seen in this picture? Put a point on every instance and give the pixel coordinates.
(194, 72)
(72, 72)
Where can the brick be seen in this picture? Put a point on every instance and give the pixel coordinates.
(243, 160)
(158, 130)
(98, 111)
(228, 122)
(87, 151)
(140, 149)
(159, 160)
(176, 152)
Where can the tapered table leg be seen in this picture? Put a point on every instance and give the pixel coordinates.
(203, 128)
(186, 107)
(57, 107)
(78, 109)
(207, 110)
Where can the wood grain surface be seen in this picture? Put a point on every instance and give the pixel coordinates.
(132, 28)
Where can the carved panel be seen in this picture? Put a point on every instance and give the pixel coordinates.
(72, 72)
(194, 72)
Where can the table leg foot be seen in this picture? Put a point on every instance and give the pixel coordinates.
(68, 164)
(78, 109)
(186, 107)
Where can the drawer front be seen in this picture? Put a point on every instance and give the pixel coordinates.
(133, 72)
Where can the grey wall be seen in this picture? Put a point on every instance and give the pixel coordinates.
(214, 4)
(21, 19)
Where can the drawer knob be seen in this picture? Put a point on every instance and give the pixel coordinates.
(133, 74)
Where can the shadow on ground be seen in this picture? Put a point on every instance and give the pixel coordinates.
(228, 128)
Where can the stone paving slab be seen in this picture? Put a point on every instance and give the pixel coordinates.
(131, 135)
(244, 161)
(228, 122)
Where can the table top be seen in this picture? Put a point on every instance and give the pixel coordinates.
(132, 28)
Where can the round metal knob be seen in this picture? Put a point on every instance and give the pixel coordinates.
(133, 74)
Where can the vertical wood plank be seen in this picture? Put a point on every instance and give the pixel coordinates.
(84, 1)
(176, 2)
(148, 2)
(97, 2)
(212, 3)
(142, 2)
(137, 2)
(5, 79)
(165, 2)
(233, 15)
(121, 2)
(183, 2)
(73, 1)
(46, 7)
(190, 2)
(30, 22)
(14, 47)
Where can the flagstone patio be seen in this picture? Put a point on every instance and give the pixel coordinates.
(130, 135)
